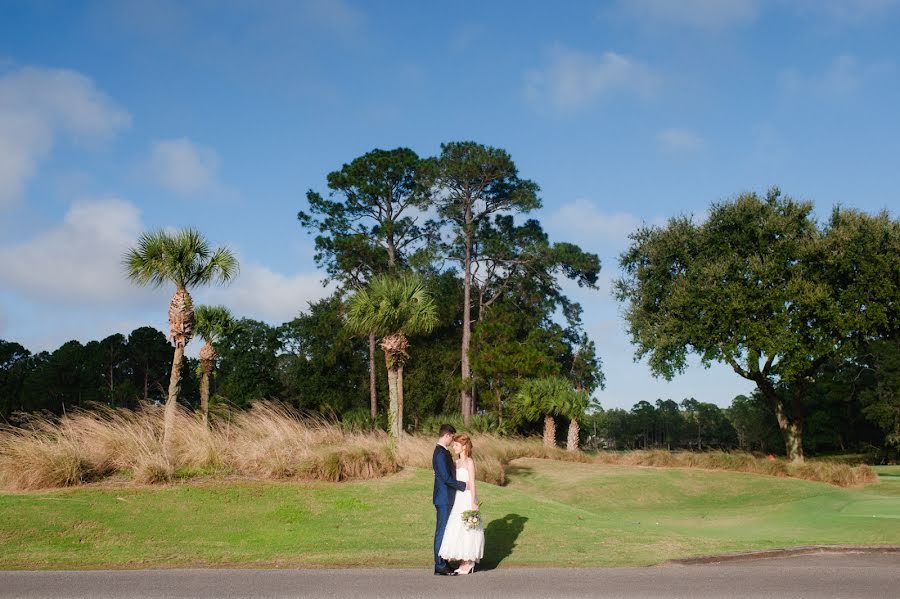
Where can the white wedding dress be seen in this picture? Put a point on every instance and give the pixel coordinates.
(461, 543)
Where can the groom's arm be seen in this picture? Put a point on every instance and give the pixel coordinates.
(442, 472)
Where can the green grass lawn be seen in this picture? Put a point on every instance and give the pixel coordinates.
(550, 514)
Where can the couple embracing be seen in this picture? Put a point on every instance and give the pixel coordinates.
(459, 535)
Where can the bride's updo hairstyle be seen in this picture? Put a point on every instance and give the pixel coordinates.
(464, 440)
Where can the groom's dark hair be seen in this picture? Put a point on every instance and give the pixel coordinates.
(446, 429)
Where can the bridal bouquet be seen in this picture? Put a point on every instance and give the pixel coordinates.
(471, 519)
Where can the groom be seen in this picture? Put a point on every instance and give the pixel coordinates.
(445, 487)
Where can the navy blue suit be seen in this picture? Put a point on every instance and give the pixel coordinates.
(445, 488)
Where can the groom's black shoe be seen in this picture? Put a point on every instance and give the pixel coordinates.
(444, 572)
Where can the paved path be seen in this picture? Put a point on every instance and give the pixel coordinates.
(819, 576)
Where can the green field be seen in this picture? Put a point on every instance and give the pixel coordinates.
(550, 514)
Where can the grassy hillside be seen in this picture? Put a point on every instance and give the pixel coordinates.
(550, 513)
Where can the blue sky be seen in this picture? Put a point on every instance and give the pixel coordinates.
(120, 116)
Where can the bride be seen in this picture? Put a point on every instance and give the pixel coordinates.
(461, 543)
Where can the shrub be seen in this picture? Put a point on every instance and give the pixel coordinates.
(478, 423)
(358, 420)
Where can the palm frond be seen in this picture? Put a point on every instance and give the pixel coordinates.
(392, 304)
(183, 258)
(548, 395)
(220, 268)
(146, 263)
(189, 253)
(213, 322)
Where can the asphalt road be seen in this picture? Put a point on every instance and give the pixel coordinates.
(820, 576)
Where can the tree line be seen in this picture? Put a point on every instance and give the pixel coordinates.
(118, 371)
(438, 265)
(303, 363)
(840, 420)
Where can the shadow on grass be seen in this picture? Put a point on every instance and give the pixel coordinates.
(500, 537)
(519, 471)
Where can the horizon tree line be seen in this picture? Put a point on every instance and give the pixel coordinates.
(845, 413)
(759, 285)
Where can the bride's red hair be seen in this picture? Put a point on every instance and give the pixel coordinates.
(464, 440)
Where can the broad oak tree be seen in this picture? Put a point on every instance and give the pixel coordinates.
(762, 287)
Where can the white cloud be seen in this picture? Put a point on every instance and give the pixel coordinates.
(570, 79)
(699, 14)
(583, 222)
(842, 78)
(679, 142)
(260, 292)
(69, 282)
(79, 262)
(36, 107)
(183, 166)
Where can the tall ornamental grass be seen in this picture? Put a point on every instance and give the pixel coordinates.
(272, 441)
(269, 441)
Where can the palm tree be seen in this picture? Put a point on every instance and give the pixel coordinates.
(212, 323)
(185, 259)
(573, 406)
(393, 307)
(545, 397)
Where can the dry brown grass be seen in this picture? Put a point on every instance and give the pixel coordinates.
(268, 441)
(272, 441)
(841, 475)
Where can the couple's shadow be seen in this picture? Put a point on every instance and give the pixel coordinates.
(500, 539)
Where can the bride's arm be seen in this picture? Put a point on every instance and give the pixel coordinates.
(472, 479)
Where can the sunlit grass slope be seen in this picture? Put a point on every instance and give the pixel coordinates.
(551, 513)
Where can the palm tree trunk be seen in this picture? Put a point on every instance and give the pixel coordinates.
(172, 401)
(181, 327)
(549, 431)
(572, 439)
(206, 368)
(207, 361)
(393, 399)
(399, 384)
(373, 395)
